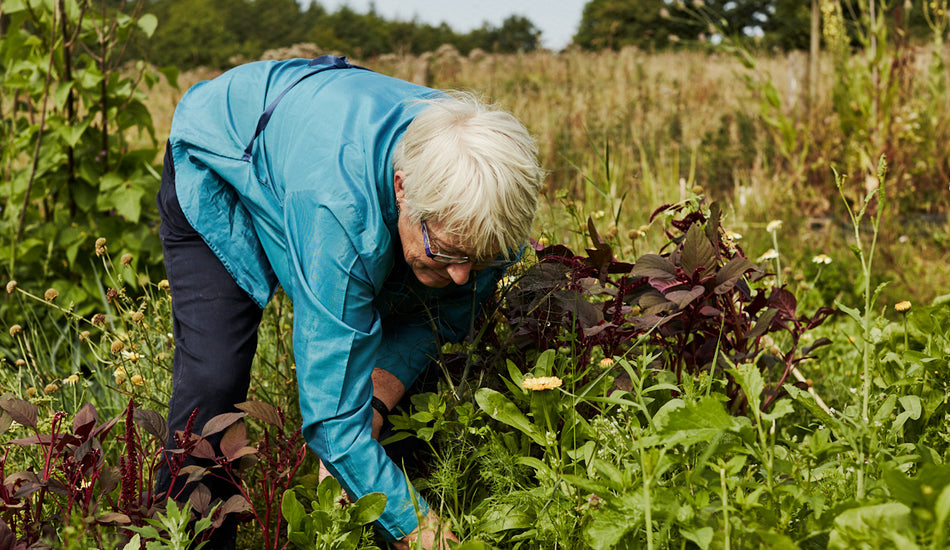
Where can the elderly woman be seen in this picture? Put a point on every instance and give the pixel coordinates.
(387, 212)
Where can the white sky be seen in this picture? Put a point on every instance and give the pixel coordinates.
(557, 19)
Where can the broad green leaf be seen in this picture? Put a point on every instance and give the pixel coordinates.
(942, 506)
(781, 408)
(503, 410)
(701, 537)
(545, 363)
(686, 424)
(368, 508)
(148, 23)
(71, 134)
(292, 510)
(614, 521)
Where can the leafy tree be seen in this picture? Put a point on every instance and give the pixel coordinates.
(516, 34)
(643, 23)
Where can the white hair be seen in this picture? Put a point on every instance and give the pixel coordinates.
(474, 168)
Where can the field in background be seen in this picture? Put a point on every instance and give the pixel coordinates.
(622, 133)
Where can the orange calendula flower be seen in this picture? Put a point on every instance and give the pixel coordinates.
(902, 306)
(542, 383)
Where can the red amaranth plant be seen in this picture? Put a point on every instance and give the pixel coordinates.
(71, 476)
(699, 300)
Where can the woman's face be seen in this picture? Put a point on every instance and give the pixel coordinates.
(428, 271)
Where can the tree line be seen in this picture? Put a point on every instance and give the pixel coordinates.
(214, 32)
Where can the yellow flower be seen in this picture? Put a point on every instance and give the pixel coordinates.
(101, 246)
(606, 362)
(120, 376)
(137, 379)
(72, 379)
(902, 306)
(541, 383)
(163, 284)
(50, 294)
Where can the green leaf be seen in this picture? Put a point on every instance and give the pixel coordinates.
(148, 23)
(702, 536)
(503, 410)
(749, 377)
(292, 510)
(686, 424)
(368, 508)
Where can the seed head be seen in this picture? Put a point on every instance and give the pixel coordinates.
(15, 329)
(137, 380)
(30, 392)
(112, 294)
(20, 362)
(137, 317)
(126, 259)
(101, 246)
(84, 336)
(120, 376)
(163, 284)
(902, 306)
(50, 388)
(72, 379)
(50, 294)
(11, 286)
(99, 319)
(117, 347)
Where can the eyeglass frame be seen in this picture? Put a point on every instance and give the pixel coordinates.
(459, 260)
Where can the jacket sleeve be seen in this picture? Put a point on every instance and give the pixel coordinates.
(337, 337)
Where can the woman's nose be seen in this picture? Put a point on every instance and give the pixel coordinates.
(459, 272)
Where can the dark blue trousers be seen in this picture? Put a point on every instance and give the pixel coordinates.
(215, 325)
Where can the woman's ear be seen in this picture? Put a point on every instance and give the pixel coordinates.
(398, 178)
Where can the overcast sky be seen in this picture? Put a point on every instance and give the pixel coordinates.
(557, 19)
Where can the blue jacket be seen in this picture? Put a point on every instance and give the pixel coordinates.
(312, 208)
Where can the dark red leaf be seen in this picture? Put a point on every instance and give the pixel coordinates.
(233, 440)
(22, 411)
(115, 517)
(221, 422)
(151, 422)
(264, 412)
(200, 499)
(84, 420)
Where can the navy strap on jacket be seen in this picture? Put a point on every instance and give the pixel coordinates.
(330, 62)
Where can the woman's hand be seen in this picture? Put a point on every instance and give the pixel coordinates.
(432, 534)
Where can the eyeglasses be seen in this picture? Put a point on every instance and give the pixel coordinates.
(455, 260)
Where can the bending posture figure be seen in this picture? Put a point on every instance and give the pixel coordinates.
(386, 211)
